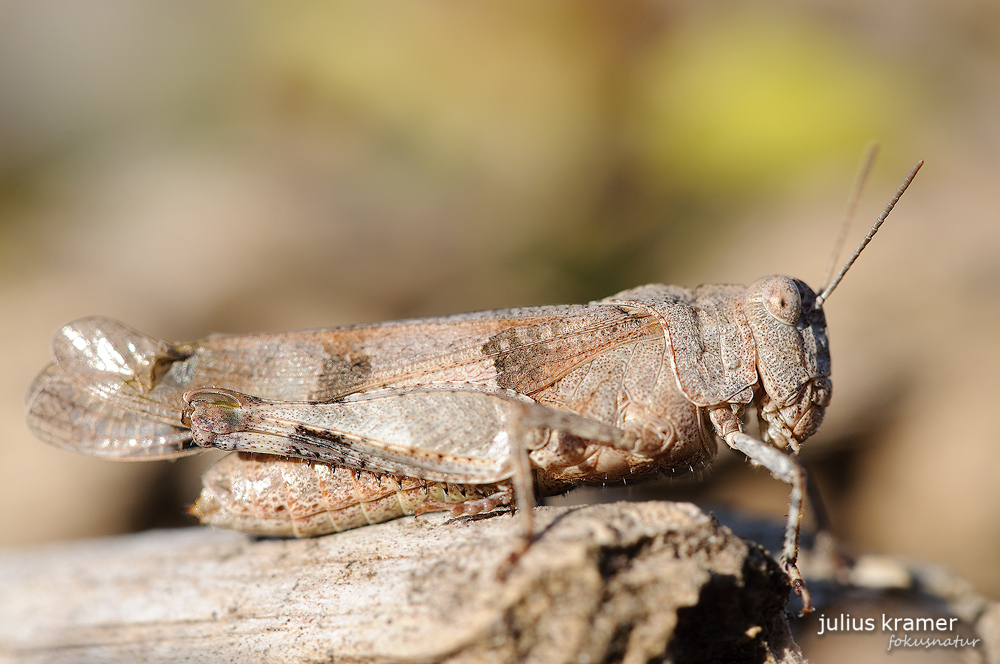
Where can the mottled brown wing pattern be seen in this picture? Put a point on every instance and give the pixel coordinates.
(104, 370)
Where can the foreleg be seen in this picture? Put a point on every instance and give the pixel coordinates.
(787, 469)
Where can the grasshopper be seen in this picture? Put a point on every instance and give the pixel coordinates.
(336, 428)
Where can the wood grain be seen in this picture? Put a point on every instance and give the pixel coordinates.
(620, 582)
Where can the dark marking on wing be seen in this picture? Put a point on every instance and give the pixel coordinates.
(519, 358)
(530, 358)
(351, 367)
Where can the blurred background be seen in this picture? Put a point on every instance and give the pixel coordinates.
(189, 167)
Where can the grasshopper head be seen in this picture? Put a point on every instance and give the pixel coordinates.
(793, 358)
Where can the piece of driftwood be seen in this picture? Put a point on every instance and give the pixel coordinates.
(630, 582)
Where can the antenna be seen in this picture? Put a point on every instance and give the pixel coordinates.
(822, 297)
(860, 178)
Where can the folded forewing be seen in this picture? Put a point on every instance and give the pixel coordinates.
(112, 389)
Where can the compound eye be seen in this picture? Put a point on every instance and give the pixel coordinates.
(781, 299)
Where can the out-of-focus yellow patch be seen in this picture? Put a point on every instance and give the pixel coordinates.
(745, 103)
(508, 88)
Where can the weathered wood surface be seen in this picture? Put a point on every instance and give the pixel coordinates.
(622, 582)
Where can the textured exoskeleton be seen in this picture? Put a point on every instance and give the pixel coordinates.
(514, 402)
(636, 384)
